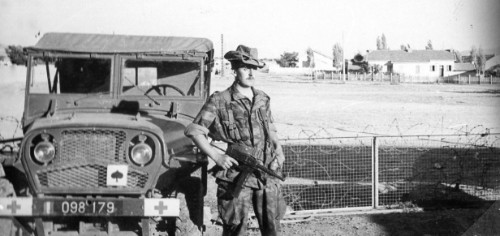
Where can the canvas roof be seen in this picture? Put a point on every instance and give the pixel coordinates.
(411, 56)
(102, 43)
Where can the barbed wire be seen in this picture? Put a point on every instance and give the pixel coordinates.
(336, 172)
(326, 171)
(288, 131)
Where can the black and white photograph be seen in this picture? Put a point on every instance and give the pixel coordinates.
(247, 118)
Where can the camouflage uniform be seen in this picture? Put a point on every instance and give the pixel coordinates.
(230, 117)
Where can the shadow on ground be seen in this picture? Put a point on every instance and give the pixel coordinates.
(463, 221)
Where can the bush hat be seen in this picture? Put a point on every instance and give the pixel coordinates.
(244, 55)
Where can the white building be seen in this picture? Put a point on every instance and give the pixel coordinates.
(433, 63)
(322, 62)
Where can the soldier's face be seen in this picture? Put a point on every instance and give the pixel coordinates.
(244, 76)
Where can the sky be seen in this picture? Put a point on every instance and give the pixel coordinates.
(271, 26)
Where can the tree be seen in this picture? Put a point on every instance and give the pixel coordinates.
(288, 59)
(384, 42)
(16, 55)
(473, 57)
(403, 47)
(360, 61)
(379, 43)
(376, 68)
(310, 58)
(338, 53)
(481, 60)
(458, 56)
(429, 45)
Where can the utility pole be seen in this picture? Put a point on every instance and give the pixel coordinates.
(222, 55)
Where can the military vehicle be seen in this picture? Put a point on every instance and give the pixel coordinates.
(104, 150)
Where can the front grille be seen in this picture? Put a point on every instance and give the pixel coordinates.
(82, 160)
(86, 176)
(77, 145)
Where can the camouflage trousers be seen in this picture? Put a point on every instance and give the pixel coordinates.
(268, 205)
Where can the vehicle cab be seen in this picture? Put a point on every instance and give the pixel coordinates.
(104, 145)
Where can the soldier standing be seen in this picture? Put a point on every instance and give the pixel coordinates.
(241, 116)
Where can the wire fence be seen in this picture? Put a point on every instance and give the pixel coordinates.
(403, 78)
(373, 172)
(389, 172)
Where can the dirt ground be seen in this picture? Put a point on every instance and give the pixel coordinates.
(480, 219)
(373, 108)
(303, 108)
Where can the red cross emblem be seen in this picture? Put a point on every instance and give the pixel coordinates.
(160, 208)
(14, 207)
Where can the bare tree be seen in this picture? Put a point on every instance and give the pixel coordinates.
(310, 58)
(429, 45)
(473, 57)
(481, 60)
(384, 42)
(458, 56)
(338, 52)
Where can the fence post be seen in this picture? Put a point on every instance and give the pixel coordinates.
(491, 79)
(375, 185)
(469, 80)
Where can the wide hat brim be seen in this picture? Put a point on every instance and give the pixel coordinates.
(245, 55)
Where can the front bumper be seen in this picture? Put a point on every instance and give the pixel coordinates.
(149, 207)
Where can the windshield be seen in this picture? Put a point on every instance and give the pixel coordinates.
(161, 77)
(60, 75)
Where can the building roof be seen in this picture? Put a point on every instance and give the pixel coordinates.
(464, 66)
(492, 62)
(322, 54)
(102, 43)
(409, 56)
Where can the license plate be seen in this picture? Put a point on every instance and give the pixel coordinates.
(87, 207)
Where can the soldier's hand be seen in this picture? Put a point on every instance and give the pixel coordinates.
(277, 162)
(225, 161)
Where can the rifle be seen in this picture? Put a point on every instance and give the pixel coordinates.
(247, 165)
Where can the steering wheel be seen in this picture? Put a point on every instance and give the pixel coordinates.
(161, 89)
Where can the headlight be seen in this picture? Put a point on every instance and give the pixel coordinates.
(141, 153)
(142, 150)
(44, 152)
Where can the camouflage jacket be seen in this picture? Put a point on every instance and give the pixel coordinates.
(231, 117)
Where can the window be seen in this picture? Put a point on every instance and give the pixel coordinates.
(161, 77)
(433, 68)
(61, 75)
(449, 67)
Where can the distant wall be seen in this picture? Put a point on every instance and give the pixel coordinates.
(290, 71)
